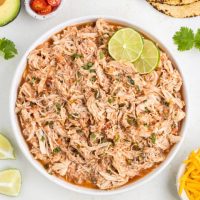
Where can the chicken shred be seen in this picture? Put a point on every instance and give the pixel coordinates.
(90, 119)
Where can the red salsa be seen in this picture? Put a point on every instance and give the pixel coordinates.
(44, 7)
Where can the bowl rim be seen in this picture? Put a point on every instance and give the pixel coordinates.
(19, 137)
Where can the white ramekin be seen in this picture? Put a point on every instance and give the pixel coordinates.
(16, 128)
(33, 14)
(180, 173)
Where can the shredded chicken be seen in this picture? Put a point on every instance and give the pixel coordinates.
(90, 119)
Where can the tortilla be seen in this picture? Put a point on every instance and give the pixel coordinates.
(183, 11)
(173, 2)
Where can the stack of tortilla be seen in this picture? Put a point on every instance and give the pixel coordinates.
(177, 8)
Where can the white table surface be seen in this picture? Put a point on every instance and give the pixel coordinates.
(25, 30)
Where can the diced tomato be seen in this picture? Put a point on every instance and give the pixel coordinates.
(46, 10)
(38, 5)
(54, 2)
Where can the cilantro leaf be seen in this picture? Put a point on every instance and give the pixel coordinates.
(197, 39)
(7, 48)
(153, 138)
(184, 39)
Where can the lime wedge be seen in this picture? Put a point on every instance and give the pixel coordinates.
(126, 45)
(6, 149)
(10, 182)
(149, 58)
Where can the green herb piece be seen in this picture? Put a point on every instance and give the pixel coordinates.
(7, 49)
(145, 124)
(78, 74)
(136, 147)
(101, 55)
(76, 55)
(58, 107)
(70, 116)
(56, 150)
(197, 39)
(130, 80)
(87, 66)
(164, 102)
(49, 123)
(31, 104)
(92, 71)
(42, 139)
(116, 138)
(111, 100)
(184, 39)
(92, 136)
(147, 110)
(93, 79)
(103, 140)
(153, 138)
(33, 80)
(132, 121)
(79, 131)
(141, 157)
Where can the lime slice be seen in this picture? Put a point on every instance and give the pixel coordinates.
(149, 58)
(6, 149)
(126, 45)
(10, 182)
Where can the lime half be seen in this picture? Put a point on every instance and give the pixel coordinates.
(149, 58)
(6, 149)
(126, 45)
(10, 182)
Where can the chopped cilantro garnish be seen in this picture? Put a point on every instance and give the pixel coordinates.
(147, 110)
(42, 138)
(197, 39)
(87, 66)
(132, 121)
(58, 107)
(111, 100)
(93, 79)
(153, 138)
(92, 71)
(130, 80)
(92, 136)
(116, 138)
(56, 150)
(76, 55)
(101, 55)
(49, 123)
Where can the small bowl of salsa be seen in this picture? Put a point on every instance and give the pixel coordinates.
(43, 9)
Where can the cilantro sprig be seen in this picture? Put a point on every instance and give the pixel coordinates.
(185, 39)
(7, 49)
(197, 39)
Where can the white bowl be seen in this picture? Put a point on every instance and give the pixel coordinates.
(21, 142)
(33, 14)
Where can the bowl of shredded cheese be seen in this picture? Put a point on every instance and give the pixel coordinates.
(188, 178)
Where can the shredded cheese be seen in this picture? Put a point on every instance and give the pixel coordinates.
(190, 180)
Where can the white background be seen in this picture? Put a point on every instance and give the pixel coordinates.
(25, 30)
